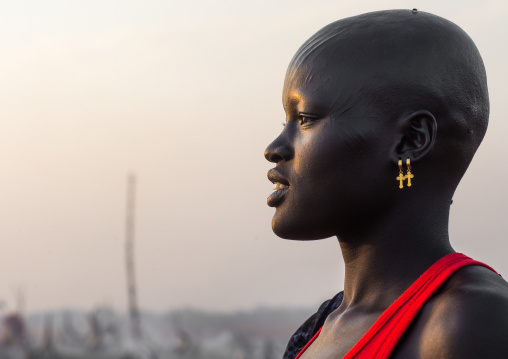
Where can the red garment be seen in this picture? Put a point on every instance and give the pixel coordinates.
(385, 333)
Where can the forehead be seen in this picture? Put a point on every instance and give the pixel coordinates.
(320, 85)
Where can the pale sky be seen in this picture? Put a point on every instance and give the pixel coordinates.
(187, 95)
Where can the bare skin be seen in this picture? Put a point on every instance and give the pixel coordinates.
(359, 95)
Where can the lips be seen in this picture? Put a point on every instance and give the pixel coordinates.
(280, 185)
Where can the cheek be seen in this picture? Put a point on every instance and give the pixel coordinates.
(317, 147)
(321, 158)
(334, 173)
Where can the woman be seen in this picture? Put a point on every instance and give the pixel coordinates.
(384, 112)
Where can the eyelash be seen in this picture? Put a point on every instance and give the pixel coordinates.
(301, 117)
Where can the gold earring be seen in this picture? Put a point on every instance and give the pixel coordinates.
(408, 175)
(401, 176)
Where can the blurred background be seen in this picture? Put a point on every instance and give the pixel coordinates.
(185, 96)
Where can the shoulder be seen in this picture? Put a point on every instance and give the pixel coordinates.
(468, 317)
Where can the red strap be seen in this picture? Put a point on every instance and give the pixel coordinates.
(385, 333)
(309, 343)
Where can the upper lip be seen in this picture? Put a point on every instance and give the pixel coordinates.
(276, 177)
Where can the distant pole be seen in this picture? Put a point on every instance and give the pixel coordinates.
(129, 256)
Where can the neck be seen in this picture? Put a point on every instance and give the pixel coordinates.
(388, 258)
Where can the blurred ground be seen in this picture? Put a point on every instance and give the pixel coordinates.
(105, 334)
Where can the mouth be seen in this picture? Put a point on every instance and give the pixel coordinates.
(280, 185)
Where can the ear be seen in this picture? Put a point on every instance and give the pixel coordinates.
(418, 132)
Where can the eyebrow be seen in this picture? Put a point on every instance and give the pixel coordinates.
(294, 98)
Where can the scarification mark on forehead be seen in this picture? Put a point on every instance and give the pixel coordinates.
(309, 50)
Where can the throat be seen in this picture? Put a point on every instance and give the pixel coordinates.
(376, 277)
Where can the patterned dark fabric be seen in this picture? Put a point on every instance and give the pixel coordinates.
(311, 326)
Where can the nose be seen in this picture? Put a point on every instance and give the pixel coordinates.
(278, 150)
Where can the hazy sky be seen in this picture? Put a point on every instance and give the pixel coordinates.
(187, 95)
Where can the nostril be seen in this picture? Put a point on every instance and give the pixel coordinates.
(273, 157)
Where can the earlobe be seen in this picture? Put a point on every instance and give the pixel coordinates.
(417, 136)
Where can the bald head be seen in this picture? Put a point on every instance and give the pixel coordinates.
(401, 61)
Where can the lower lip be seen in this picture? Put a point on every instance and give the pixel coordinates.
(276, 197)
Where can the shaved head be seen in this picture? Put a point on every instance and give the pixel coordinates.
(401, 61)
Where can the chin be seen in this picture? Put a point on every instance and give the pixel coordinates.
(298, 230)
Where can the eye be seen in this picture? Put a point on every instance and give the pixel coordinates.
(306, 119)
